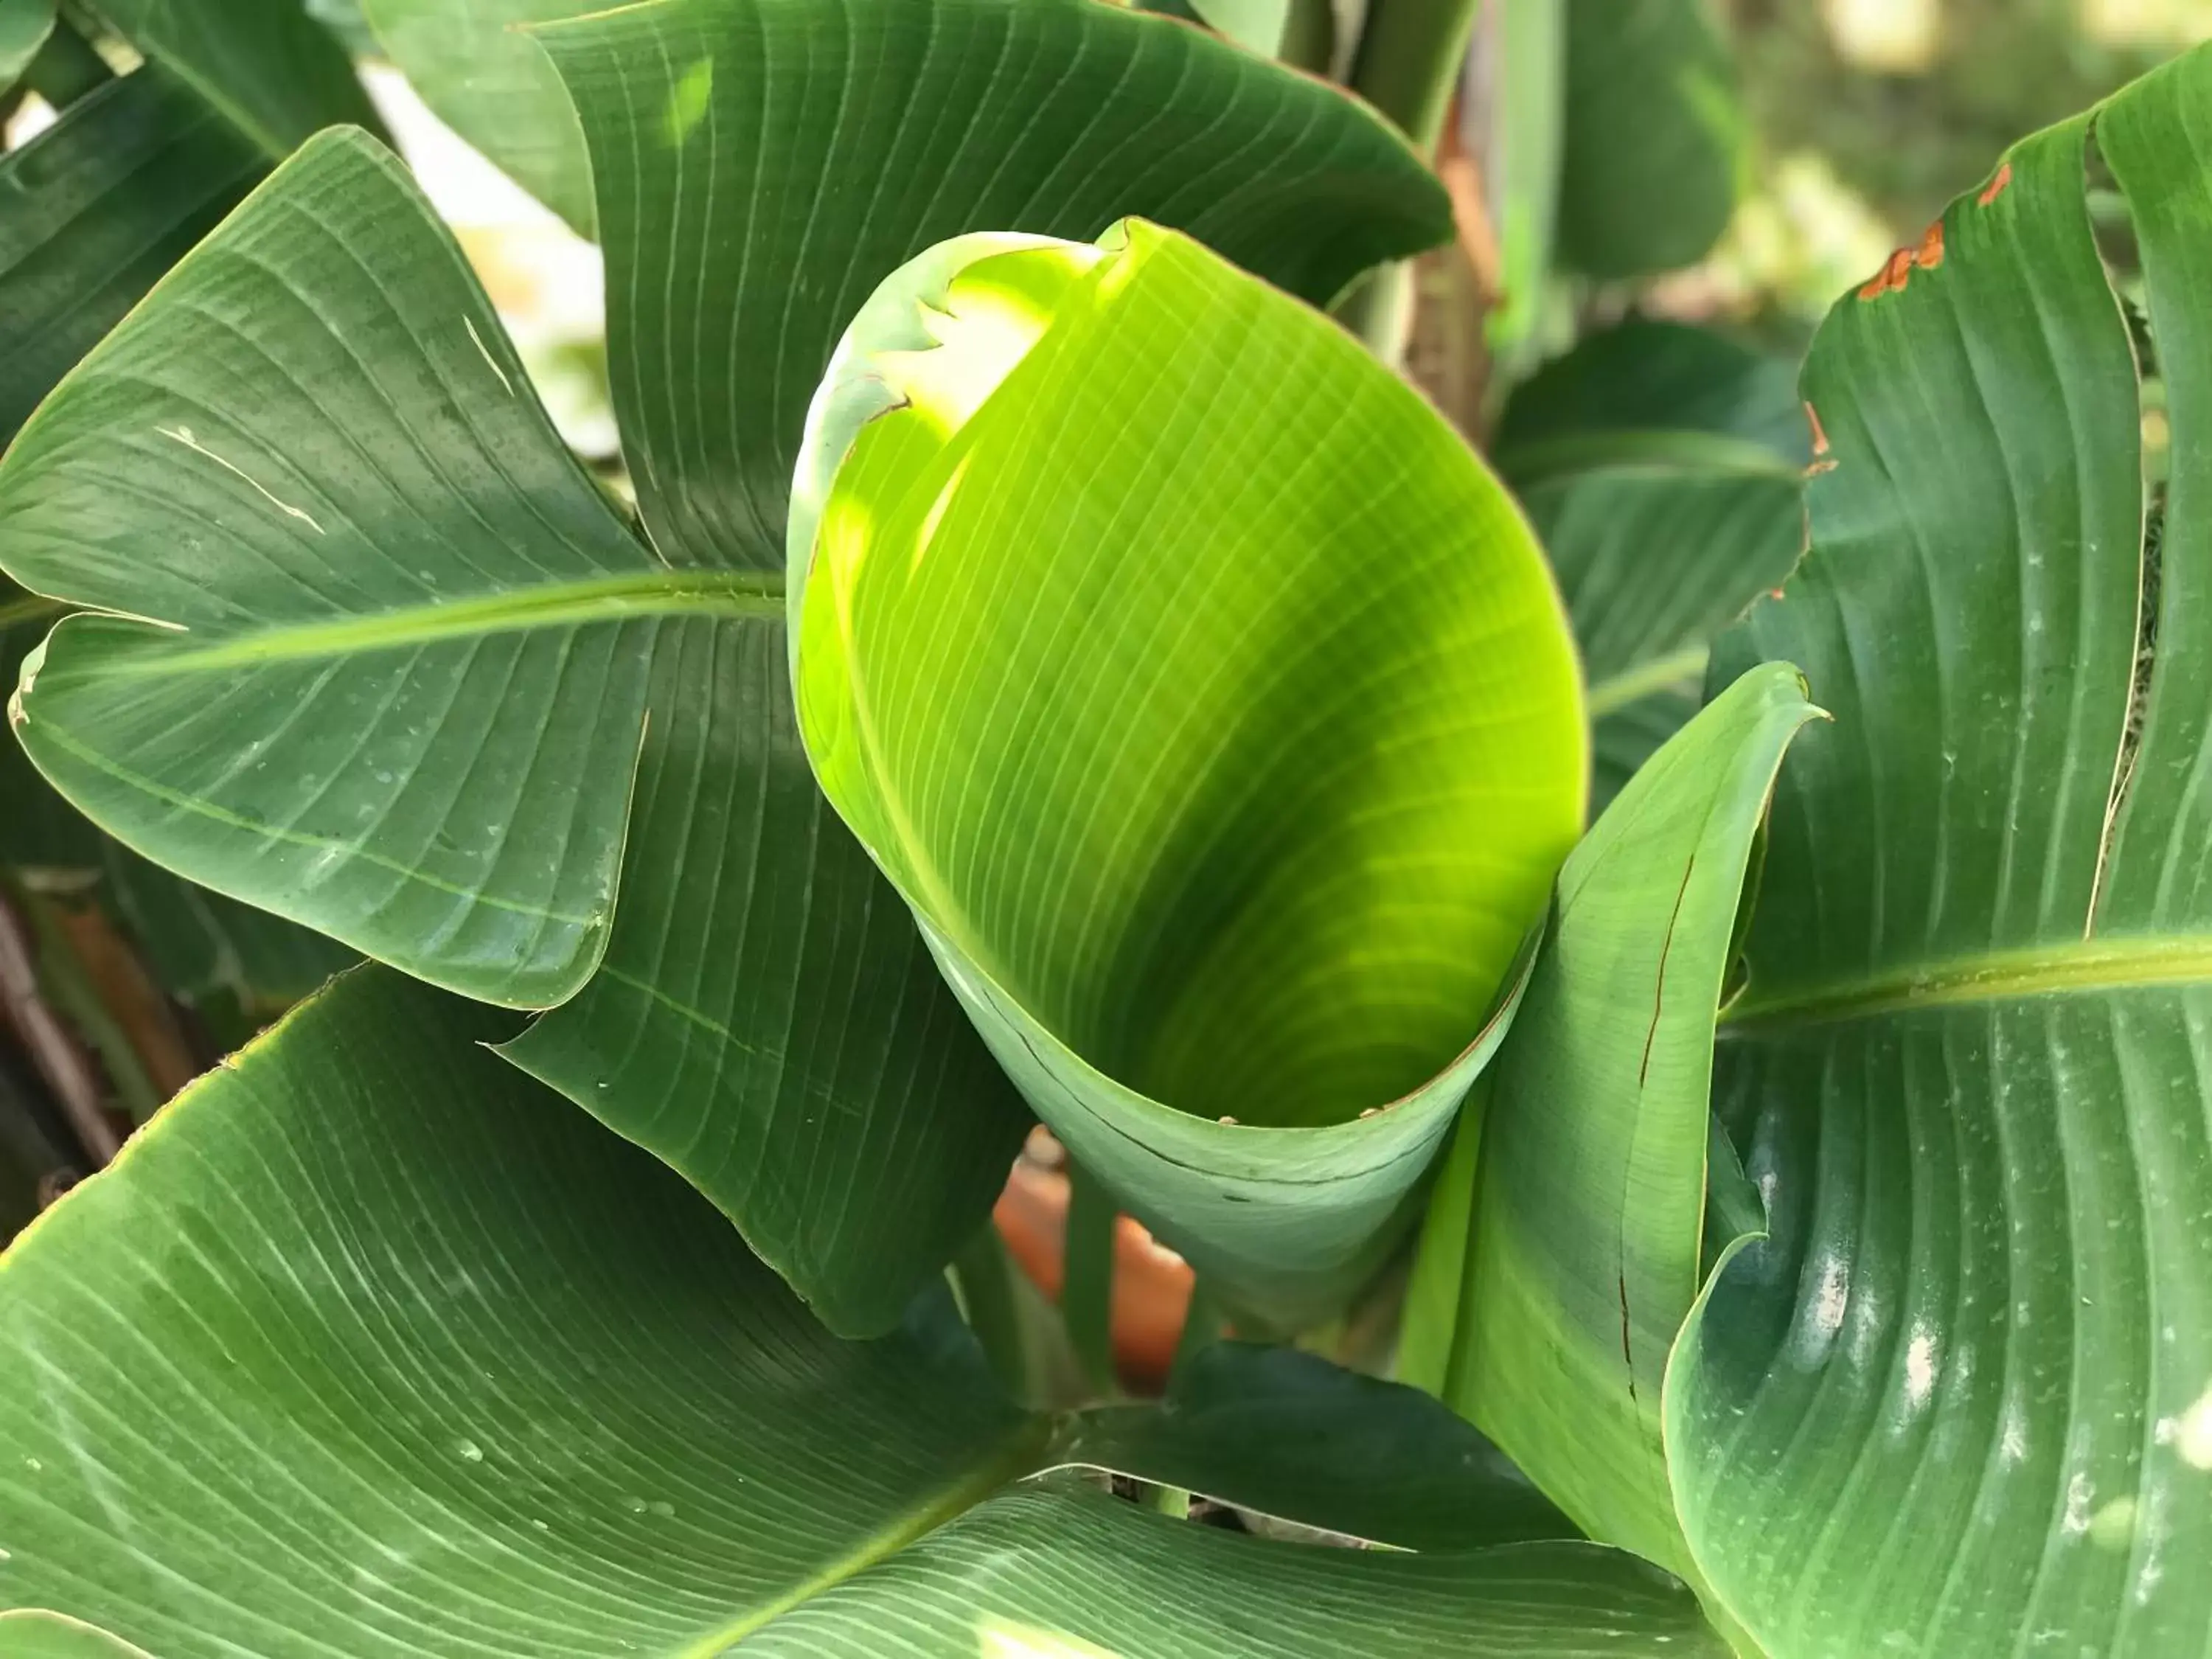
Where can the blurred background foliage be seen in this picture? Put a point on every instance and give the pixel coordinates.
(1867, 116)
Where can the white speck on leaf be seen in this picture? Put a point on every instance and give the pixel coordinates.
(469, 323)
(183, 435)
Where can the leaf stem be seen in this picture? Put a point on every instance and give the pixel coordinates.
(67, 1069)
(1086, 1287)
(983, 1276)
(66, 981)
(1310, 36)
(1409, 60)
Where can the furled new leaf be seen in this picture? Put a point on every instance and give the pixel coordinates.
(367, 1345)
(1213, 708)
(1958, 1399)
(771, 1027)
(1586, 1245)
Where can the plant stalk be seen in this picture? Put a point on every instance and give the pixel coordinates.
(1409, 60)
(984, 1277)
(1087, 1285)
(67, 1069)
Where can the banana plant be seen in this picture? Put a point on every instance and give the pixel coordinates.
(1050, 670)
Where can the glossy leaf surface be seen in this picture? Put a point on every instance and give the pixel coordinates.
(24, 26)
(767, 1017)
(370, 1345)
(1214, 709)
(355, 662)
(1957, 1400)
(1286, 1433)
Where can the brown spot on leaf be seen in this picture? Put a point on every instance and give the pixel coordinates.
(1997, 186)
(1893, 277)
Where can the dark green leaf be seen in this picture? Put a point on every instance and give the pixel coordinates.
(1643, 378)
(407, 712)
(767, 1017)
(93, 211)
(1654, 135)
(1660, 465)
(1960, 1401)
(1291, 1435)
(739, 143)
(201, 946)
(370, 1346)
(376, 686)
(275, 72)
(39, 829)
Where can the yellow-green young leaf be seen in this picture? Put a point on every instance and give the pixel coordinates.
(1958, 1399)
(1589, 1201)
(34, 1633)
(421, 650)
(1213, 708)
(370, 1346)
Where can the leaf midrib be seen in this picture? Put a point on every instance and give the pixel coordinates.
(2078, 968)
(566, 604)
(1020, 1457)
